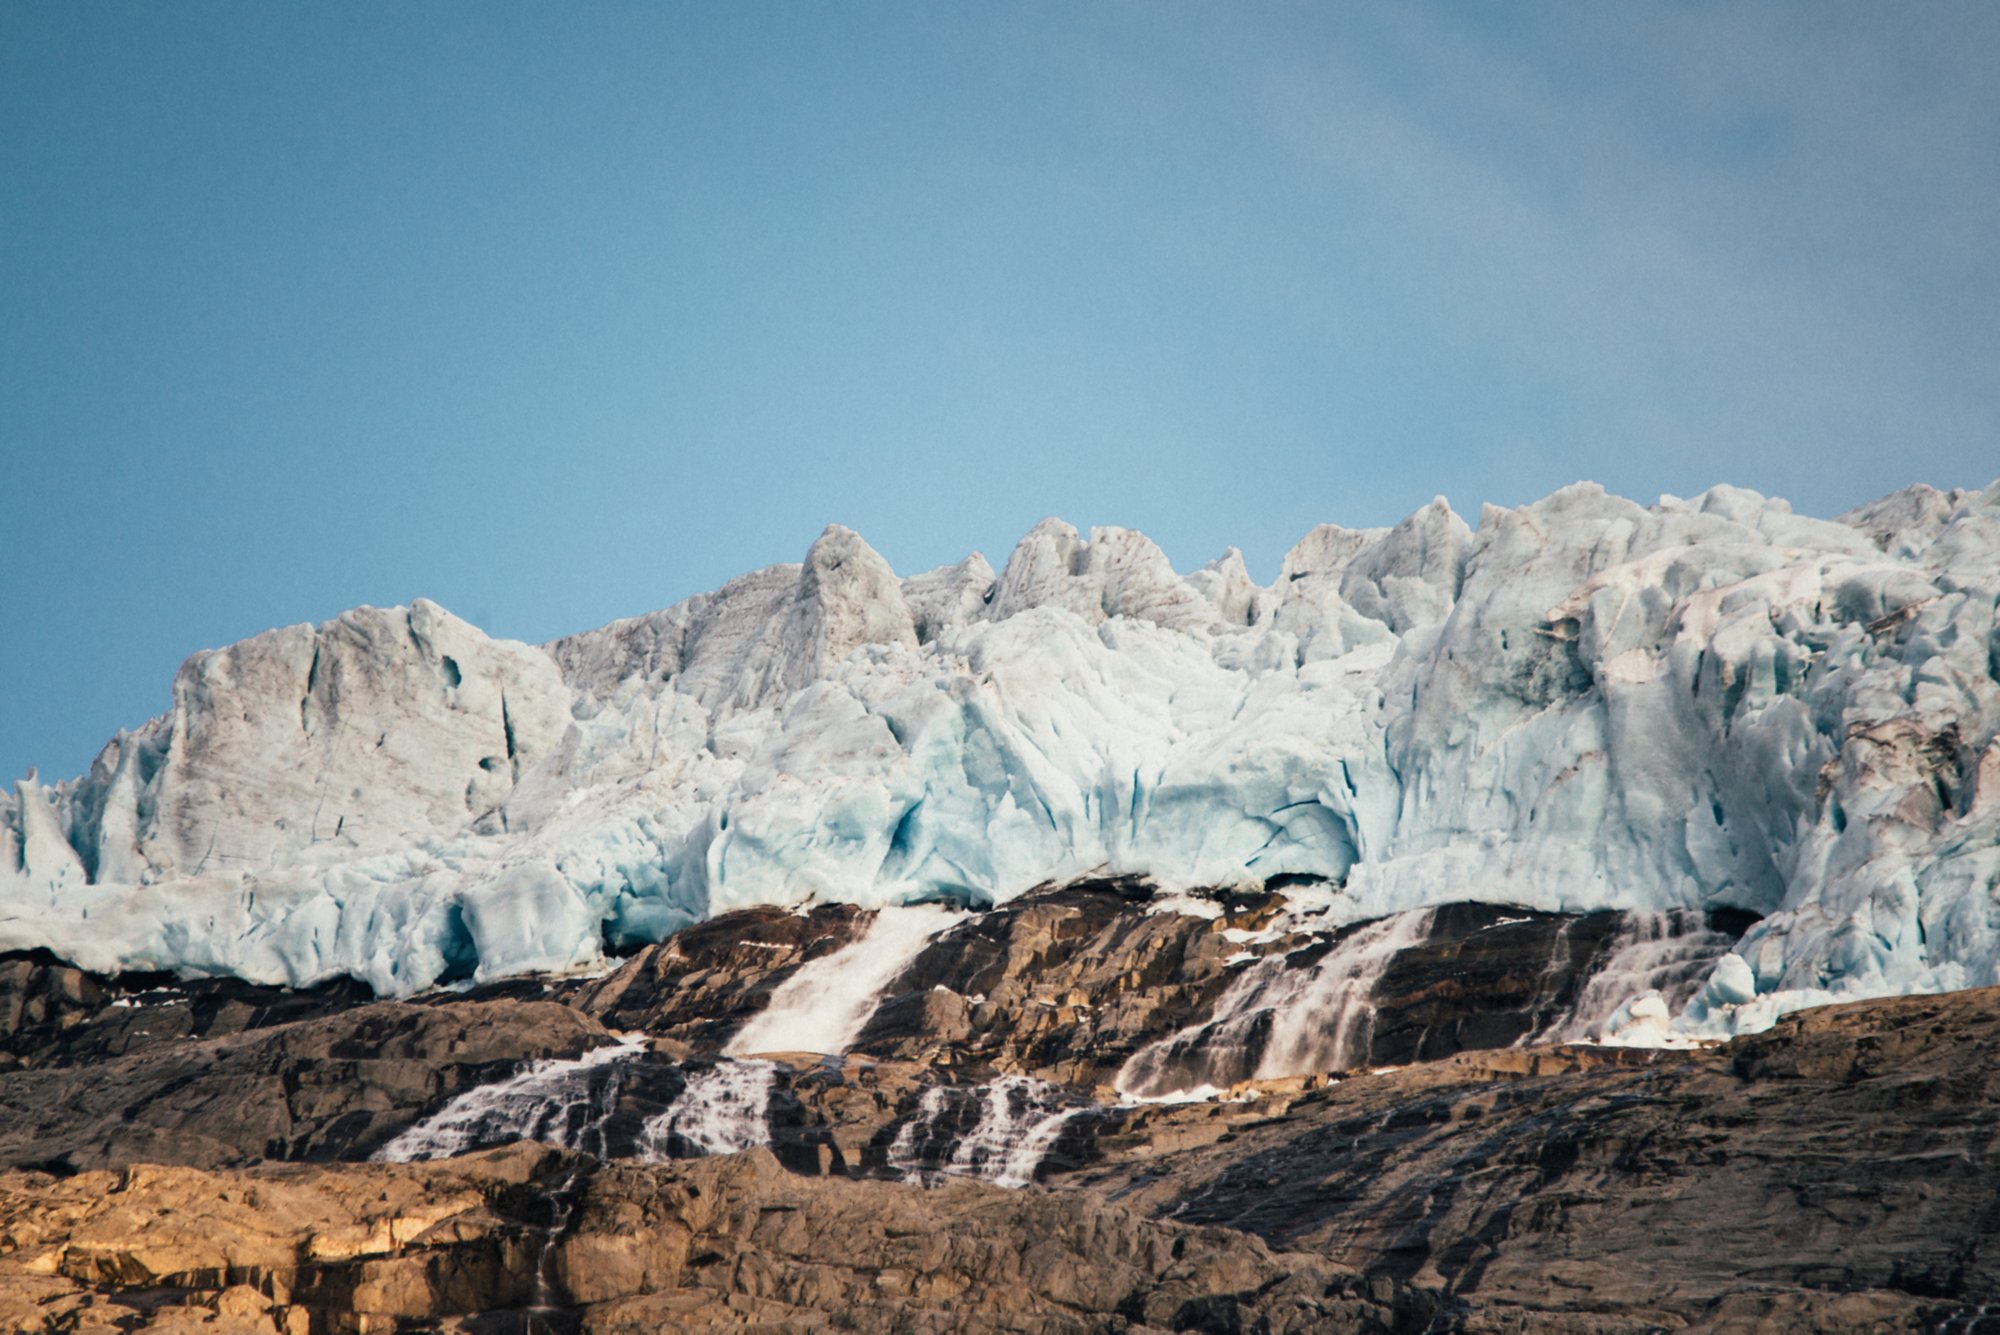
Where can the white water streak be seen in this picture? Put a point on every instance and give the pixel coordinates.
(1329, 1026)
(1669, 953)
(1020, 1120)
(721, 1111)
(823, 1006)
(548, 1100)
(1310, 1020)
(904, 1154)
(1008, 1144)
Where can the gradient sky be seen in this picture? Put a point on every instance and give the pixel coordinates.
(559, 313)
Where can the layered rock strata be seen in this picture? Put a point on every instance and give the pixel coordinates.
(1543, 1189)
(967, 1165)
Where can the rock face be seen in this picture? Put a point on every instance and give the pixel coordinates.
(217, 1072)
(52, 1014)
(1582, 705)
(272, 1250)
(1833, 1173)
(700, 986)
(1808, 1177)
(1070, 985)
(1075, 993)
(543, 1236)
(749, 1244)
(177, 1080)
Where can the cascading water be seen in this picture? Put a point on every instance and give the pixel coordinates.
(1329, 1026)
(923, 1144)
(721, 1111)
(1548, 994)
(823, 1006)
(1020, 1121)
(598, 1104)
(1277, 1020)
(1000, 1133)
(1669, 953)
(565, 1103)
(542, 1304)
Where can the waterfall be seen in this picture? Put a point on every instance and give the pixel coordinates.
(1020, 1121)
(1554, 975)
(1330, 1025)
(543, 1307)
(1666, 952)
(721, 1111)
(563, 1102)
(1276, 1020)
(823, 1006)
(1014, 1123)
(923, 1143)
(577, 1104)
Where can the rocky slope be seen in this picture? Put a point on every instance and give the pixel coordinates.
(592, 1156)
(1530, 1192)
(1834, 1173)
(543, 1240)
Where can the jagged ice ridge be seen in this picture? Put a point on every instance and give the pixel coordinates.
(1585, 703)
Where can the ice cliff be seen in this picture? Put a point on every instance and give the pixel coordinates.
(1583, 703)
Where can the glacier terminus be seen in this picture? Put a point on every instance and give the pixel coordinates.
(1710, 705)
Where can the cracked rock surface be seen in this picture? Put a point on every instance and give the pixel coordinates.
(1833, 1173)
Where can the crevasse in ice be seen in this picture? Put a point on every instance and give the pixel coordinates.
(1583, 703)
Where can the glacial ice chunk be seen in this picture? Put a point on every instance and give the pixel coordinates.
(1703, 705)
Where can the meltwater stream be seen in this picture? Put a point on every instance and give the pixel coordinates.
(1277, 1020)
(1001, 1133)
(823, 1006)
(565, 1103)
(590, 1104)
(721, 1111)
(1669, 952)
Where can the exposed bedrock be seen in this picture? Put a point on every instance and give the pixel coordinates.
(109, 1090)
(702, 984)
(1022, 1024)
(1832, 1174)
(1405, 1145)
(513, 1237)
(54, 1014)
(1068, 983)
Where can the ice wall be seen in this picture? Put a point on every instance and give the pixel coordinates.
(1583, 703)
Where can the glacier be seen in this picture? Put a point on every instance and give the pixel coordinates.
(1582, 703)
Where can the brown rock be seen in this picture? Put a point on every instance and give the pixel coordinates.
(336, 1087)
(1850, 1151)
(701, 984)
(362, 1247)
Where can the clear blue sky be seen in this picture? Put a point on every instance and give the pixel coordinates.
(557, 313)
